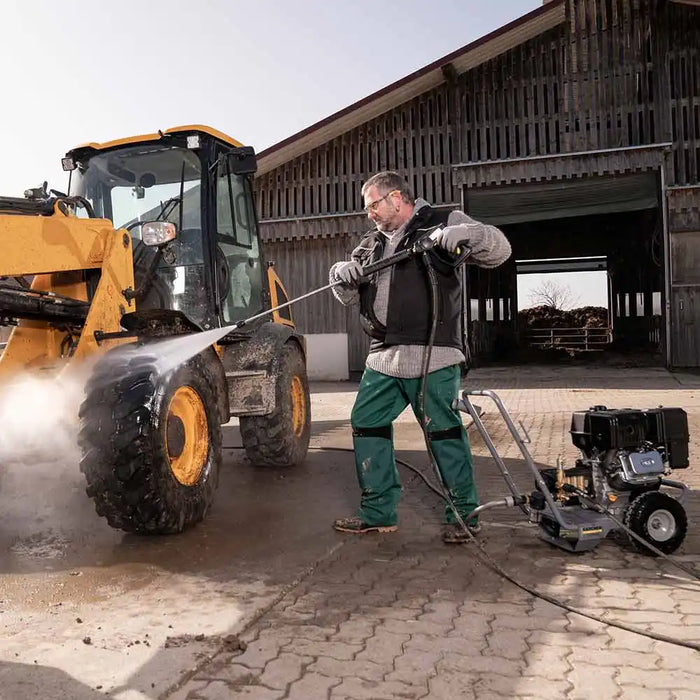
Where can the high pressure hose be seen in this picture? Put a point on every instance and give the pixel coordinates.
(425, 370)
(487, 559)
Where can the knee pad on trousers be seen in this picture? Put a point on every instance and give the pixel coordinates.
(382, 431)
(449, 434)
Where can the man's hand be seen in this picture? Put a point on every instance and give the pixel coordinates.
(349, 273)
(451, 238)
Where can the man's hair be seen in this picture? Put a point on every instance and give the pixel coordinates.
(388, 181)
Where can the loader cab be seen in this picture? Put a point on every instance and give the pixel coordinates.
(200, 180)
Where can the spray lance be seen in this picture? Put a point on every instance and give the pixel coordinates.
(423, 245)
(211, 336)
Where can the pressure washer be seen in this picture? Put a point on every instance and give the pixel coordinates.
(619, 484)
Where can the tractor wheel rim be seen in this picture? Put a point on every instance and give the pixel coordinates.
(661, 525)
(298, 406)
(187, 405)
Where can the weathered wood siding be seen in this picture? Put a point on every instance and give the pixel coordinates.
(621, 73)
(615, 74)
(681, 82)
(413, 139)
(303, 265)
(684, 218)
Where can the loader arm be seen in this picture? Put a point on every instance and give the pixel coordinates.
(57, 249)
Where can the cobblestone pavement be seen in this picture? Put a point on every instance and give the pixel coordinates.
(403, 616)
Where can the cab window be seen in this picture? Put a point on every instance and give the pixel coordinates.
(238, 266)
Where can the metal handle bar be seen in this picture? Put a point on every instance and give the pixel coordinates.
(464, 404)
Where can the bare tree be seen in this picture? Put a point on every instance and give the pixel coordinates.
(553, 294)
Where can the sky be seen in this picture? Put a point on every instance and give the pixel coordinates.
(580, 288)
(259, 70)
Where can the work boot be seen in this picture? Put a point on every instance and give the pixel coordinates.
(452, 533)
(358, 526)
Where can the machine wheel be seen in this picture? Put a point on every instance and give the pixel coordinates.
(151, 443)
(281, 438)
(659, 519)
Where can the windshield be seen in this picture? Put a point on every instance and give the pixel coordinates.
(154, 182)
(142, 183)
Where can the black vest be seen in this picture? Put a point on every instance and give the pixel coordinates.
(409, 312)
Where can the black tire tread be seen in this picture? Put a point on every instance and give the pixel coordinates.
(124, 461)
(638, 512)
(269, 440)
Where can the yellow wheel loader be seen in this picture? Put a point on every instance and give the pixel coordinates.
(157, 237)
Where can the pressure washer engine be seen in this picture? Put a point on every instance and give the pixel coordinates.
(620, 482)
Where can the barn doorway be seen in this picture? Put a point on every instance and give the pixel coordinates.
(612, 223)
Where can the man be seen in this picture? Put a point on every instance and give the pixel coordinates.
(395, 310)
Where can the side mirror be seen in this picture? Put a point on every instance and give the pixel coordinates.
(242, 161)
(156, 233)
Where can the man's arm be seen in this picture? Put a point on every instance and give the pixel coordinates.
(489, 247)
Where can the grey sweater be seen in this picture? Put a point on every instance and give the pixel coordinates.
(490, 248)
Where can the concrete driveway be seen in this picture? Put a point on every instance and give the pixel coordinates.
(264, 600)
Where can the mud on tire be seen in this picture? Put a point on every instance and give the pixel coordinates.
(151, 443)
(281, 438)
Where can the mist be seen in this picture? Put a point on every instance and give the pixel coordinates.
(39, 417)
(39, 414)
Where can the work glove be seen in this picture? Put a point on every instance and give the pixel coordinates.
(349, 273)
(451, 238)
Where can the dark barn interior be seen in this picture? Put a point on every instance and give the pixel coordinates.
(630, 244)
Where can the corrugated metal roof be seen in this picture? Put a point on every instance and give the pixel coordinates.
(484, 49)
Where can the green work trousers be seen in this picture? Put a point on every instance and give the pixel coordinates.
(380, 400)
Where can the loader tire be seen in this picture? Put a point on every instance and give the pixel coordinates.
(281, 438)
(151, 443)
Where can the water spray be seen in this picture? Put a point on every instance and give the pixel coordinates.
(174, 351)
(23, 424)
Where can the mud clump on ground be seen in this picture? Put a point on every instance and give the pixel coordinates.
(229, 642)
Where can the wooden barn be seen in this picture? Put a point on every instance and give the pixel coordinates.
(575, 128)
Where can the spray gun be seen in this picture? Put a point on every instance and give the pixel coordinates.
(420, 246)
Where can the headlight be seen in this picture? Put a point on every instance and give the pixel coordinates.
(158, 232)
